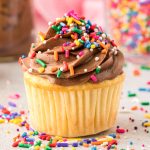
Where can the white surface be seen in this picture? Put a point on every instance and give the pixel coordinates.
(11, 82)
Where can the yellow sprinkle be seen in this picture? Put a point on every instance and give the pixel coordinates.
(147, 116)
(147, 124)
(70, 20)
(37, 147)
(93, 46)
(2, 121)
(73, 148)
(56, 55)
(41, 69)
(71, 70)
(77, 21)
(41, 36)
(31, 133)
(77, 42)
(72, 36)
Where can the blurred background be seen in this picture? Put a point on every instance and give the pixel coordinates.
(127, 22)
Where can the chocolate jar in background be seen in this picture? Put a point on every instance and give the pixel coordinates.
(15, 27)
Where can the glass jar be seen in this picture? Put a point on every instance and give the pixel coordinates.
(15, 27)
(129, 24)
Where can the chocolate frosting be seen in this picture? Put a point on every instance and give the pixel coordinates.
(94, 64)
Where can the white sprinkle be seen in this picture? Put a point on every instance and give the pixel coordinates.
(72, 24)
(49, 23)
(65, 14)
(96, 58)
(95, 30)
(114, 48)
(85, 70)
(61, 68)
(103, 42)
(85, 34)
(69, 30)
(104, 35)
(91, 49)
(100, 38)
(99, 67)
(48, 50)
(44, 42)
(30, 70)
(72, 48)
(83, 28)
(78, 56)
(115, 52)
(61, 37)
(57, 19)
(39, 52)
(82, 23)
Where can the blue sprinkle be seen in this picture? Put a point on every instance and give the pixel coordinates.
(112, 135)
(89, 22)
(87, 26)
(62, 144)
(23, 56)
(93, 148)
(144, 89)
(93, 140)
(30, 139)
(87, 141)
(1, 106)
(24, 134)
(62, 24)
(12, 104)
(96, 44)
(75, 144)
(81, 143)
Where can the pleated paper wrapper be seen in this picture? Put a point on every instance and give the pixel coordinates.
(72, 111)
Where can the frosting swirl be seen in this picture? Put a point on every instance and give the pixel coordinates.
(74, 51)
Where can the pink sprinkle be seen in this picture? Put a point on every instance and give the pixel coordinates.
(65, 44)
(15, 96)
(67, 53)
(93, 78)
(96, 37)
(81, 53)
(100, 28)
(119, 130)
(148, 82)
(72, 44)
(64, 29)
(72, 13)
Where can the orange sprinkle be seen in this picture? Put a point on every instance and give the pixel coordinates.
(53, 69)
(56, 55)
(85, 145)
(71, 70)
(97, 143)
(136, 72)
(134, 108)
(104, 51)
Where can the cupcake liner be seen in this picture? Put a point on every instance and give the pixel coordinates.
(75, 110)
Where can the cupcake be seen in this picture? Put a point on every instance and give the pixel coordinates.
(73, 78)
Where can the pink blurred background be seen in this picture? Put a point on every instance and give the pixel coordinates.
(48, 10)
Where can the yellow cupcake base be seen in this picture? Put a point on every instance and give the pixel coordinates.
(72, 111)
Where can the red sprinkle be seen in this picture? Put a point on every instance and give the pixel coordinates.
(33, 55)
(15, 144)
(119, 130)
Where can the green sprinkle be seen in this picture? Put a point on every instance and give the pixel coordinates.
(77, 30)
(36, 132)
(59, 27)
(33, 46)
(83, 21)
(148, 48)
(145, 67)
(59, 73)
(24, 145)
(42, 63)
(131, 94)
(55, 28)
(145, 103)
(98, 69)
(99, 33)
(81, 41)
(50, 142)
(47, 148)
(38, 143)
